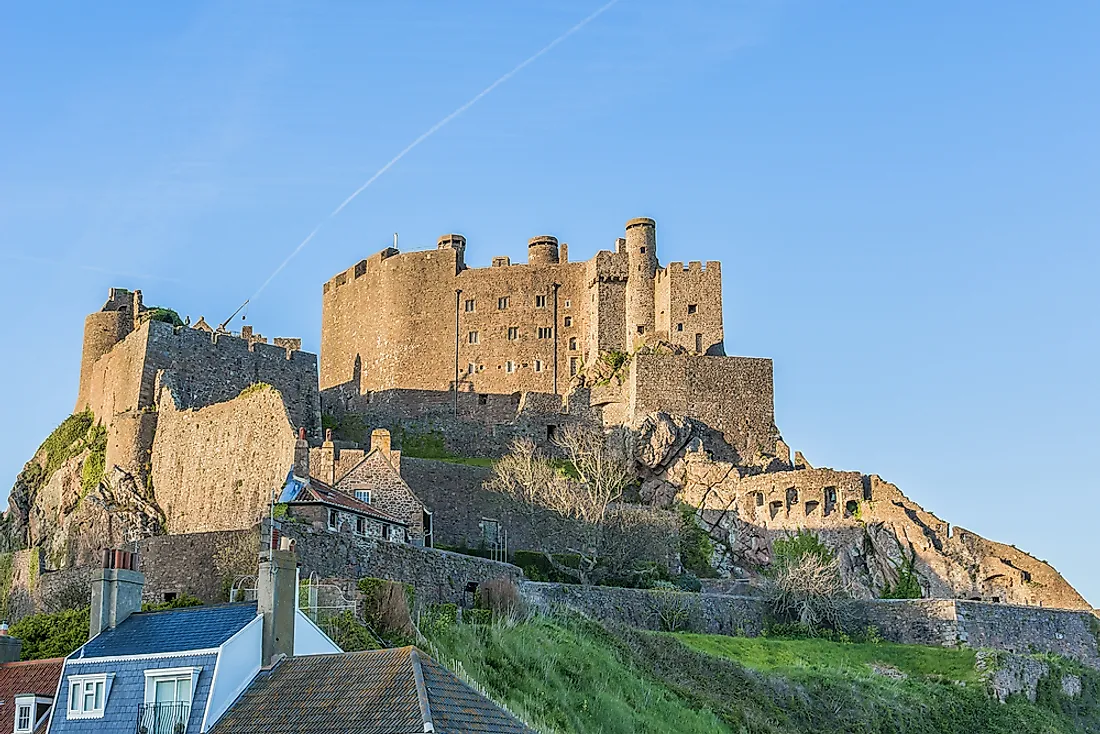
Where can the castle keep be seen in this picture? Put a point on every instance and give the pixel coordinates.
(402, 333)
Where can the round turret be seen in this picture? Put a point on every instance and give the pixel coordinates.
(542, 250)
(641, 253)
(102, 331)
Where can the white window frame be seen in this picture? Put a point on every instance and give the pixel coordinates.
(513, 333)
(153, 675)
(540, 301)
(502, 303)
(360, 492)
(81, 682)
(538, 365)
(509, 366)
(333, 519)
(473, 338)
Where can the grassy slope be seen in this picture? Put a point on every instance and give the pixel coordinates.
(565, 678)
(575, 676)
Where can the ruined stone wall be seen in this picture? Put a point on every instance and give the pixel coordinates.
(1030, 630)
(120, 380)
(606, 277)
(215, 468)
(730, 394)
(689, 306)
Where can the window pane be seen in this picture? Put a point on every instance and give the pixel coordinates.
(98, 695)
(74, 697)
(164, 691)
(89, 702)
(183, 689)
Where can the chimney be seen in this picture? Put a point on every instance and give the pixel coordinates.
(380, 439)
(10, 647)
(116, 590)
(328, 459)
(277, 584)
(301, 455)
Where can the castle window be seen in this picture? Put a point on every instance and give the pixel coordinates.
(699, 342)
(470, 368)
(641, 250)
(483, 399)
(540, 301)
(759, 499)
(679, 327)
(574, 365)
(513, 332)
(363, 495)
(692, 308)
(568, 303)
(568, 320)
(502, 303)
(551, 432)
(538, 365)
(545, 332)
(641, 328)
(473, 338)
(509, 367)
(469, 305)
(573, 343)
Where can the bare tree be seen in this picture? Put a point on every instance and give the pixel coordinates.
(602, 468)
(808, 590)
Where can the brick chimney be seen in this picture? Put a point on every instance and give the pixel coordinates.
(276, 587)
(301, 455)
(116, 590)
(10, 647)
(327, 471)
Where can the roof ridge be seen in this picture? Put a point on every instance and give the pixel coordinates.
(24, 663)
(421, 690)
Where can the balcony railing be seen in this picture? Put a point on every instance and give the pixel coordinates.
(163, 718)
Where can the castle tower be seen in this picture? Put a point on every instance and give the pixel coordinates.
(641, 251)
(102, 331)
(542, 250)
(457, 243)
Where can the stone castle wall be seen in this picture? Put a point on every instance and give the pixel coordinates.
(689, 306)
(215, 468)
(205, 369)
(732, 395)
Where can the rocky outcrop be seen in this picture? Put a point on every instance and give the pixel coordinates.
(874, 528)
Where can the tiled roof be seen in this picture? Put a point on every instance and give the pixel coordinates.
(297, 489)
(32, 676)
(175, 630)
(396, 691)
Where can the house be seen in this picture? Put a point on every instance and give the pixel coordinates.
(372, 477)
(395, 691)
(312, 501)
(26, 688)
(177, 671)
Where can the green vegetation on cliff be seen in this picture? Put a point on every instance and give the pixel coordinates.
(573, 675)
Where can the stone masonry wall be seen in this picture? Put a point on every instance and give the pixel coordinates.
(730, 394)
(215, 468)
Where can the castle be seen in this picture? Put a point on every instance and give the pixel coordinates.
(420, 335)
(201, 423)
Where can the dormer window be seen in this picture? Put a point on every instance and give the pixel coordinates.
(88, 695)
(168, 694)
(363, 495)
(30, 713)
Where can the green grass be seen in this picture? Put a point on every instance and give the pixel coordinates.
(567, 678)
(798, 658)
(572, 675)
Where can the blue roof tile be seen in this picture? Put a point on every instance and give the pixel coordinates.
(175, 630)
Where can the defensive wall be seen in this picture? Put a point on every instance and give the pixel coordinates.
(205, 367)
(944, 622)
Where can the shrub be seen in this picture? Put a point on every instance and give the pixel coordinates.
(346, 631)
(438, 618)
(180, 602)
(52, 635)
(477, 616)
(696, 546)
(501, 597)
(804, 585)
(386, 607)
(908, 584)
(796, 546)
(160, 313)
(674, 610)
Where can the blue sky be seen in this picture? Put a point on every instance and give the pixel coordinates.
(904, 198)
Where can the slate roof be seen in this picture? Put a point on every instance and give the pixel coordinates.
(32, 676)
(174, 630)
(297, 489)
(395, 691)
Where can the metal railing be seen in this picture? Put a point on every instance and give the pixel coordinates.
(163, 718)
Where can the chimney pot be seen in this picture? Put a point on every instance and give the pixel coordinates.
(328, 435)
(301, 433)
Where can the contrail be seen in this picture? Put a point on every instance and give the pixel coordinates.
(79, 266)
(431, 131)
